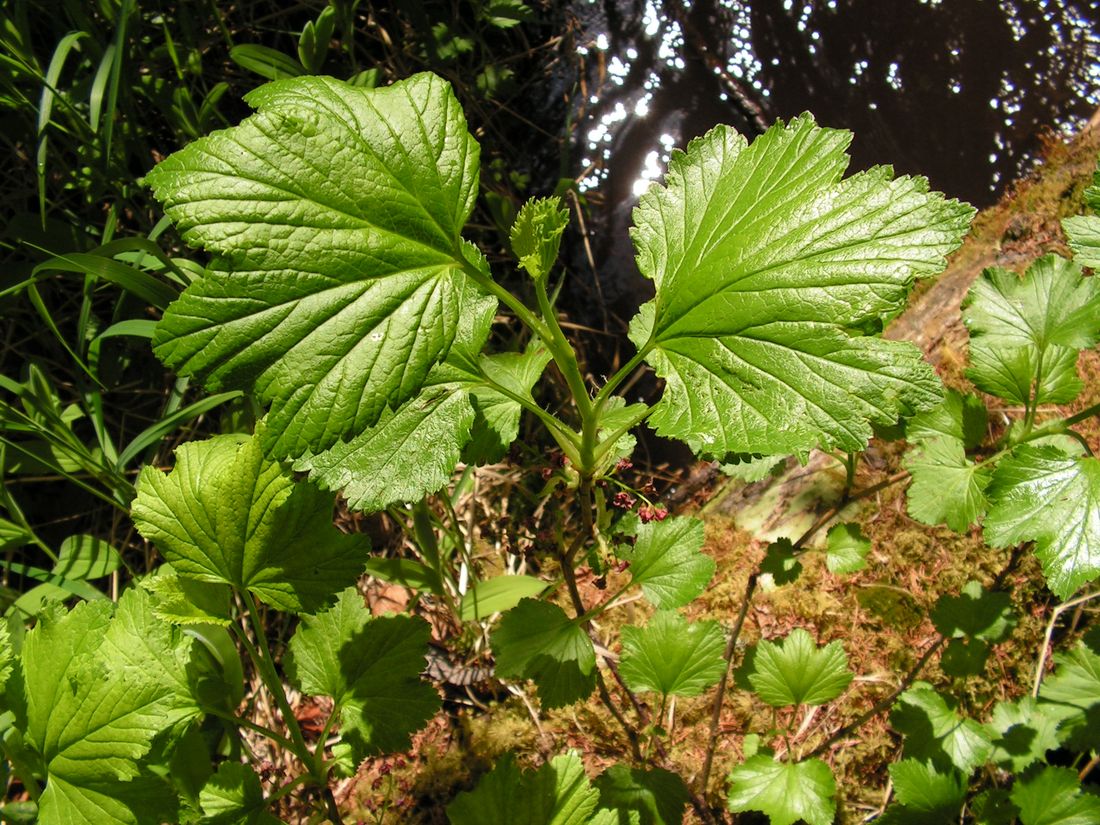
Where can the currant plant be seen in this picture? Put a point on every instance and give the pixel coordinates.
(1036, 485)
(341, 294)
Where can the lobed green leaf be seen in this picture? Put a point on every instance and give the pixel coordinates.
(371, 669)
(671, 656)
(770, 271)
(226, 514)
(338, 279)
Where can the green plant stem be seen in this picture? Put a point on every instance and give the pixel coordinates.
(568, 365)
(287, 788)
(558, 430)
(277, 738)
(604, 395)
(546, 329)
(570, 576)
(265, 665)
(1077, 418)
(1032, 405)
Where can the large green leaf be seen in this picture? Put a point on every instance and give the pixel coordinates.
(671, 656)
(770, 271)
(796, 672)
(406, 455)
(787, 792)
(227, 514)
(924, 794)
(1025, 732)
(371, 669)
(537, 641)
(558, 793)
(1025, 332)
(1040, 494)
(334, 214)
(101, 684)
(666, 559)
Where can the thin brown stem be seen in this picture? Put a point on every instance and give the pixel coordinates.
(881, 704)
(570, 577)
(719, 697)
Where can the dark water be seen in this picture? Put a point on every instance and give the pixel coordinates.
(957, 90)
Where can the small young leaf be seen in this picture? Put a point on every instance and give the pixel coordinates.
(558, 793)
(934, 731)
(338, 274)
(1040, 494)
(1053, 796)
(496, 595)
(796, 672)
(960, 417)
(536, 235)
(671, 656)
(787, 792)
(537, 641)
(666, 560)
(846, 549)
(233, 796)
(781, 564)
(947, 488)
(767, 287)
(226, 514)
(658, 796)
(976, 613)
(371, 669)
